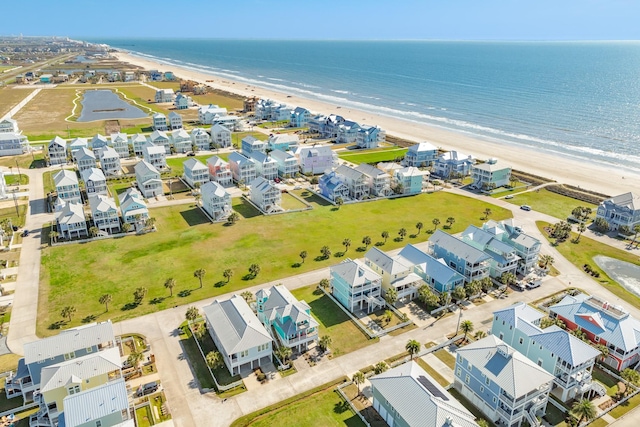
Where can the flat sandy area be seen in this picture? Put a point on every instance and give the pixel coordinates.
(596, 177)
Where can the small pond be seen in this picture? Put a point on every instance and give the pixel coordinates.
(105, 104)
(625, 273)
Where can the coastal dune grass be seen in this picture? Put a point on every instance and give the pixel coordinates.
(79, 274)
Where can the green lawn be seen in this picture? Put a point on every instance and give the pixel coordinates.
(610, 383)
(555, 416)
(176, 163)
(345, 336)
(550, 203)
(322, 406)
(386, 154)
(446, 358)
(290, 203)
(16, 218)
(144, 417)
(186, 241)
(585, 250)
(622, 409)
(21, 179)
(196, 362)
(432, 372)
(25, 161)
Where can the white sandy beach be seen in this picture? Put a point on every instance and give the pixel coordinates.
(596, 177)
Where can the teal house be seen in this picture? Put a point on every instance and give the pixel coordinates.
(489, 175)
(409, 180)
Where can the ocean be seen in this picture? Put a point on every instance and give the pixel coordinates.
(578, 99)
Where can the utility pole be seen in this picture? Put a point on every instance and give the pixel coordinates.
(459, 317)
(15, 202)
(18, 171)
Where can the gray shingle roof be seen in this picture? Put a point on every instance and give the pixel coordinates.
(419, 399)
(349, 172)
(235, 325)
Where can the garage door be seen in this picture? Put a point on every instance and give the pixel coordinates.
(390, 419)
(383, 412)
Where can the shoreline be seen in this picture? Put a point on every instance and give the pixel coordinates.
(565, 170)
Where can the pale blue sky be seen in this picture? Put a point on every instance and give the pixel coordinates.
(329, 19)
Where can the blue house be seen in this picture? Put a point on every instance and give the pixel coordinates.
(409, 180)
(369, 136)
(299, 117)
(289, 319)
(502, 257)
(434, 272)
(421, 155)
(356, 286)
(472, 263)
(501, 382)
(284, 141)
(250, 144)
(621, 210)
(332, 186)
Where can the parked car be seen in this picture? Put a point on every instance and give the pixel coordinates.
(191, 154)
(533, 284)
(510, 196)
(25, 233)
(147, 388)
(525, 207)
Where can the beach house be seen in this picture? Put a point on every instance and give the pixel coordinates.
(250, 144)
(526, 246)
(433, 271)
(356, 286)
(569, 359)
(265, 195)
(369, 136)
(160, 139)
(120, 143)
(221, 136)
(66, 184)
(284, 141)
(13, 144)
(195, 173)
(228, 121)
(396, 272)
(409, 180)
(175, 121)
(355, 181)
(299, 117)
(182, 102)
(266, 166)
(379, 182)
(501, 382)
(238, 334)
(408, 396)
(106, 405)
(346, 132)
(421, 155)
(70, 220)
(287, 163)
(155, 155)
(219, 171)
(110, 161)
(201, 139)
(242, 168)
(621, 211)
(57, 151)
(489, 175)
(137, 141)
(9, 125)
(207, 113)
(287, 318)
(502, 257)
(148, 179)
(270, 110)
(316, 124)
(181, 141)
(104, 213)
(164, 95)
(452, 164)
(604, 324)
(332, 185)
(85, 159)
(159, 122)
(94, 181)
(216, 202)
(315, 159)
(98, 143)
(133, 207)
(76, 144)
(467, 260)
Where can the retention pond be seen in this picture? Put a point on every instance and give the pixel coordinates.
(625, 273)
(104, 104)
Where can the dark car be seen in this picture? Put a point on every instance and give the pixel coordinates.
(191, 154)
(25, 233)
(147, 388)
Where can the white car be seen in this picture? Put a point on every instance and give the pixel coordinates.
(525, 207)
(510, 196)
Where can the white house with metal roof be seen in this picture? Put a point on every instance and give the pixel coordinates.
(490, 175)
(356, 286)
(94, 181)
(201, 139)
(181, 140)
(355, 181)
(98, 143)
(148, 179)
(501, 382)
(138, 141)
(133, 207)
(120, 143)
(379, 182)
(159, 122)
(160, 139)
(315, 159)
(207, 113)
(164, 95)
(104, 213)
(221, 136)
(85, 159)
(110, 161)
(104, 406)
(526, 246)
(396, 272)
(266, 166)
(423, 154)
(154, 155)
(621, 210)
(70, 220)
(9, 125)
(287, 163)
(76, 144)
(265, 195)
(569, 359)
(175, 120)
(57, 151)
(453, 164)
(67, 187)
(407, 396)
(13, 144)
(195, 172)
(239, 335)
(216, 201)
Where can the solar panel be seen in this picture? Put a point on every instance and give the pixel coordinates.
(431, 388)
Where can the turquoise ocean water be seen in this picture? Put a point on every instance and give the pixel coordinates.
(580, 99)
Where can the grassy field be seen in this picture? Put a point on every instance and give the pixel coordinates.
(219, 99)
(186, 241)
(434, 374)
(10, 213)
(345, 336)
(386, 154)
(550, 203)
(290, 203)
(10, 97)
(322, 406)
(583, 252)
(166, 85)
(630, 404)
(21, 179)
(25, 161)
(446, 358)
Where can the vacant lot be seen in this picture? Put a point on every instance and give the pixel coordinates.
(186, 241)
(10, 97)
(219, 99)
(372, 156)
(550, 203)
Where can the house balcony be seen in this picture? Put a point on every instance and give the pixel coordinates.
(300, 338)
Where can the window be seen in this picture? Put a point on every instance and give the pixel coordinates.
(597, 339)
(468, 365)
(481, 389)
(98, 423)
(487, 381)
(501, 335)
(74, 389)
(495, 400)
(89, 349)
(521, 341)
(459, 372)
(69, 356)
(539, 362)
(467, 379)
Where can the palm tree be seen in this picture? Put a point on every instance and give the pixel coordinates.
(366, 241)
(402, 232)
(584, 409)
(636, 230)
(391, 296)
(486, 213)
(479, 335)
(346, 243)
(126, 227)
(436, 223)
(426, 295)
(233, 218)
(324, 283)
(68, 312)
(197, 197)
(380, 367)
(139, 294)
(581, 229)
(93, 231)
(577, 212)
(339, 201)
(247, 295)
(387, 316)
(170, 283)
(445, 299)
(283, 353)
(450, 221)
(227, 274)
(214, 359)
(54, 235)
(326, 252)
(324, 342)
(482, 423)
(459, 293)
(385, 236)
(546, 261)
(466, 326)
(604, 351)
(419, 226)
(472, 288)
(134, 359)
(199, 274)
(358, 378)
(254, 270)
(150, 223)
(630, 376)
(303, 255)
(192, 314)
(105, 299)
(412, 347)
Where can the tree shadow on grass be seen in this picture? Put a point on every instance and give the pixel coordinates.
(317, 291)
(56, 325)
(341, 407)
(184, 293)
(248, 276)
(361, 249)
(413, 236)
(333, 209)
(90, 318)
(220, 284)
(129, 306)
(379, 243)
(398, 239)
(338, 254)
(194, 217)
(296, 265)
(157, 300)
